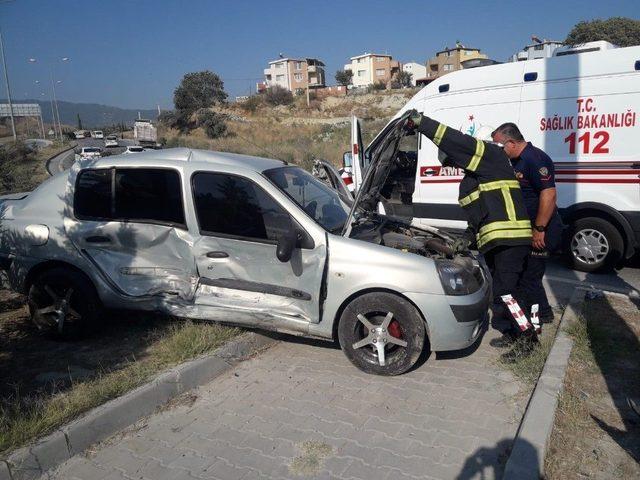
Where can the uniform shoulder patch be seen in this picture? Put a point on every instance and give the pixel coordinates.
(544, 171)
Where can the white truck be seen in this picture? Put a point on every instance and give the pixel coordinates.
(144, 133)
(579, 106)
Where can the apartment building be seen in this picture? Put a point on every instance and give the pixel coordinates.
(372, 68)
(294, 74)
(416, 70)
(450, 60)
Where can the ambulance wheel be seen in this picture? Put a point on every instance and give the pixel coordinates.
(382, 333)
(594, 244)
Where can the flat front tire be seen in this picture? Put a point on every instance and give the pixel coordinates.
(381, 333)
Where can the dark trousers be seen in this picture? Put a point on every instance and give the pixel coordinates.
(531, 283)
(507, 265)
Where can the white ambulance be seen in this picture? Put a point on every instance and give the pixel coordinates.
(580, 106)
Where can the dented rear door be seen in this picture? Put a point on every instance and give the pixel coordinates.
(130, 224)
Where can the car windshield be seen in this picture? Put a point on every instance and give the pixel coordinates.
(91, 150)
(318, 200)
(135, 149)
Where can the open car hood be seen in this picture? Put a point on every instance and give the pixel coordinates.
(383, 160)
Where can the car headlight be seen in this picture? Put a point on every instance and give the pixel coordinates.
(456, 279)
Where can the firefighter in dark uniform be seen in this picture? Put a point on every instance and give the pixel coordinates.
(497, 216)
(535, 172)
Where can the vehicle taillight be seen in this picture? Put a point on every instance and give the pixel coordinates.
(355, 149)
(347, 179)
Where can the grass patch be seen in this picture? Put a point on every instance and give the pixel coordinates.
(595, 433)
(23, 169)
(529, 367)
(26, 418)
(311, 458)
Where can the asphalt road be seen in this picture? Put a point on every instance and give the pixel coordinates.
(625, 280)
(65, 160)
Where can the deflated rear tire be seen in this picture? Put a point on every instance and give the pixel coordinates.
(63, 304)
(381, 333)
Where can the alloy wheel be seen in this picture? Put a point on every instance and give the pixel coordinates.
(589, 246)
(380, 337)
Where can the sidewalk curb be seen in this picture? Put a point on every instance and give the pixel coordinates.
(32, 461)
(526, 461)
(48, 161)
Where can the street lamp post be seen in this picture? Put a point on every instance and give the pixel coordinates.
(54, 101)
(6, 79)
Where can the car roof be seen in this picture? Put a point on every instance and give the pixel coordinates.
(176, 157)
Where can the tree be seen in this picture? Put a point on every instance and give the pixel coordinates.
(402, 79)
(212, 123)
(344, 77)
(621, 31)
(277, 95)
(79, 122)
(199, 90)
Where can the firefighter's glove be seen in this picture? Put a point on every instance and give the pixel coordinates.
(414, 120)
(461, 245)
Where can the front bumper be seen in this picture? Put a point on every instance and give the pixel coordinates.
(454, 322)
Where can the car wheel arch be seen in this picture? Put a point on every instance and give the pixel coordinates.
(42, 267)
(359, 293)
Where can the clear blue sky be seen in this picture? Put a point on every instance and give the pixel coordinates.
(133, 53)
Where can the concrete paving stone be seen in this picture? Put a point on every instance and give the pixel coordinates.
(379, 425)
(194, 464)
(89, 470)
(336, 465)
(442, 472)
(361, 471)
(223, 470)
(253, 425)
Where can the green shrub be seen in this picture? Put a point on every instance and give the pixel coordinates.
(213, 123)
(277, 95)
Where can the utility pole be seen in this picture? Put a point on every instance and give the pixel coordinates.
(6, 79)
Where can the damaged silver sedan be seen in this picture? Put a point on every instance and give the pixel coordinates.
(245, 241)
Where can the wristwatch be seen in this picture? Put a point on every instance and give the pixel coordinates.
(540, 228)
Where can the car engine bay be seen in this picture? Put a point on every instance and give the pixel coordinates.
(396, 234)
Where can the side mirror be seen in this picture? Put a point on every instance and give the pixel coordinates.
(347, 159)
(287, 243)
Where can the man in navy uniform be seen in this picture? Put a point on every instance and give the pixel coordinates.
(535, 172)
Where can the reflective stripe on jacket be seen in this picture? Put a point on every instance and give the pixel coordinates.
(489, 191)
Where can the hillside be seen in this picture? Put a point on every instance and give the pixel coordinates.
(296, 133)
(92, 114)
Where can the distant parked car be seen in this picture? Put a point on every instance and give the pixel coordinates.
(247, 241)
(111, 141)
(78, 134)
(133, 149)
(98, 134)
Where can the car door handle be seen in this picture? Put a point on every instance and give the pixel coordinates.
(217, 255)
(98, 239)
